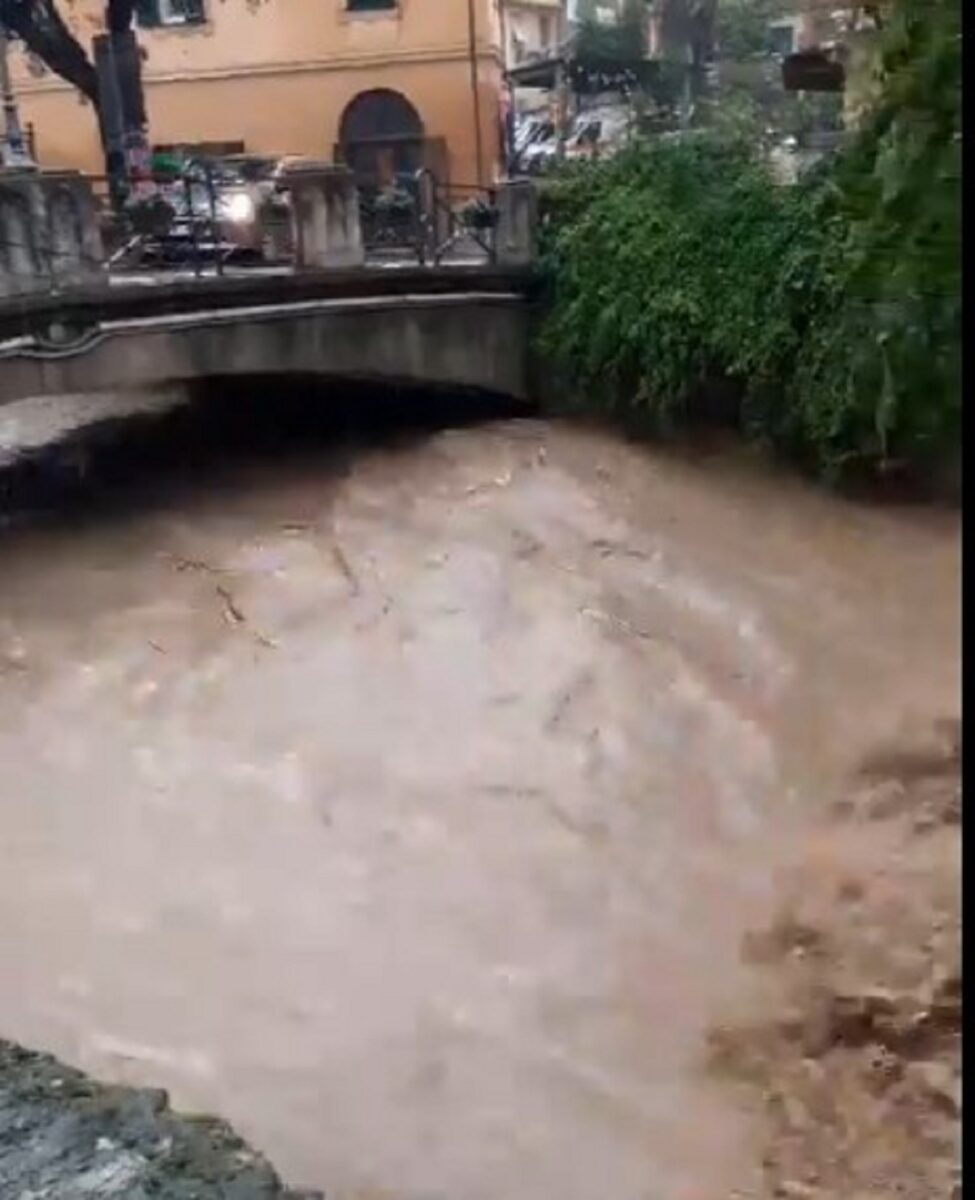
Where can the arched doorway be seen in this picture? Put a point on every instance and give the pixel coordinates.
(381, 138)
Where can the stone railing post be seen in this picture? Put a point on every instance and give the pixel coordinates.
(74, 234)
(517, 220)
(325, 216)
(49, 232)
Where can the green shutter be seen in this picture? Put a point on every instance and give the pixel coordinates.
(147, 13)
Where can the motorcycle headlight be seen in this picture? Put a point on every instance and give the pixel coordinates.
(238, 207)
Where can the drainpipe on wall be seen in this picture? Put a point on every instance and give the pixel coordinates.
(508, 93)
(475, 90)
(15, 152)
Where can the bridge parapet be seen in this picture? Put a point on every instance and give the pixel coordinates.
(56, 236)
(70, 324)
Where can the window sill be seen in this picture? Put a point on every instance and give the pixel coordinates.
(176, 28)
(372, 14)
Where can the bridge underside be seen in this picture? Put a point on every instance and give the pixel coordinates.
(457, 340)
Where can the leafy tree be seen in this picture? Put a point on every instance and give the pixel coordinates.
(620, 42)
(39, 24)
(741, 27)
(687, 33)
(884, 371)
(832, 307)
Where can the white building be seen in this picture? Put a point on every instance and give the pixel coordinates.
(532, 29)
(603, 10)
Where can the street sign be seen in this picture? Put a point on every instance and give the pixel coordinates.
(812, 71)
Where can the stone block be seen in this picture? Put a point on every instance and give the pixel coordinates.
(49, 233)
(325, 215)
(517, 223)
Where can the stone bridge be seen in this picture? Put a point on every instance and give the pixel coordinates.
(77, 330)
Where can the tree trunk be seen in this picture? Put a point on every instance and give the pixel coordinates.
(120, 115)
(119, 15)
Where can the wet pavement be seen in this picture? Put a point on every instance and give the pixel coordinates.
(405, 803)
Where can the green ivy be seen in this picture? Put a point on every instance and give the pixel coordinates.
(881, 377)
(675, 265)
(833, 306)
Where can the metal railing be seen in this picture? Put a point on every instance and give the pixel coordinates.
(423, 220)
(390, 219)
(459, 221)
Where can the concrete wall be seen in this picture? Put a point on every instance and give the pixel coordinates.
(473, 340)
(278, 74)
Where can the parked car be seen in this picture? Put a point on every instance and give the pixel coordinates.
(530, 129)
(598, 132)
(536, 144)
(541, 151)
(594, 133)
(237, 192)
(207, 209)
(234, 206)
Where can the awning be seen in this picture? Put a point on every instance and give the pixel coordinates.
(539, 72)
(585, 76)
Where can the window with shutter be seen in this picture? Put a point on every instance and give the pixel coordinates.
(355, 6)
(153, 13)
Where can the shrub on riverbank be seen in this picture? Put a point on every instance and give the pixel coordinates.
(832, 306)
(673, 266)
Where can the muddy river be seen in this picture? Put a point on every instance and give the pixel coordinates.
(405, 801)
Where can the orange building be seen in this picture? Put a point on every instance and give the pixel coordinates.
(385, 84)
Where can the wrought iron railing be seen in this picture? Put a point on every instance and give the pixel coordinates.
(456, 221)
(424, 220)
(390, 219)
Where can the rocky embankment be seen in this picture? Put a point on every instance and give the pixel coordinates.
(64, 1136)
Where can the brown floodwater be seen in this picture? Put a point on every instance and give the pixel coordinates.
(405, 803)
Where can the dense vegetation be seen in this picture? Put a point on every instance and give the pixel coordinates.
(832, 306)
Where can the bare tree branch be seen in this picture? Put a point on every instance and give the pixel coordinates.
(39, 24)
(41, 28)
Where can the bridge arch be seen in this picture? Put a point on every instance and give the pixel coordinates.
(381, 135)
(448, 333)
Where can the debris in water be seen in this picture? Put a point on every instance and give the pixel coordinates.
(499, 481)
(232, 614)
(193, 564)
(345, 567)
(619, 623)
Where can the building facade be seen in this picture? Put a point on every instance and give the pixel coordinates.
(385, 84)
